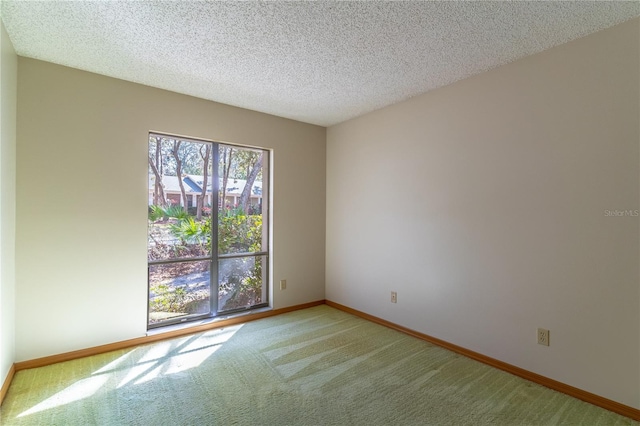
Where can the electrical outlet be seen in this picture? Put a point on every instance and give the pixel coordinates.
(394, 297)
(283, 284)
(543, 337)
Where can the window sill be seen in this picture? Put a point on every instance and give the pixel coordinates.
(205, 322)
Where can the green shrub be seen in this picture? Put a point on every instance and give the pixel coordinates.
(239, 234)
(192, 232)
(176, 211)
(167, 299)
(157, 213)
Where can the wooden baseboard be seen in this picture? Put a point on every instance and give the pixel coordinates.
(7, 383)
(589, 397)
(68, 356)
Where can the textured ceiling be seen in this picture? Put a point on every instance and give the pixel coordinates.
(321, 62)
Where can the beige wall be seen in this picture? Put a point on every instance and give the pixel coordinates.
(8, 85)
(82, 201)
(504, 180)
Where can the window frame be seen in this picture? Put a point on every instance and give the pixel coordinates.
(215, 257)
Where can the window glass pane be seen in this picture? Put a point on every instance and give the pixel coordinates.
(179, 289)
(243, 187)
(241, 282)
(180, 198)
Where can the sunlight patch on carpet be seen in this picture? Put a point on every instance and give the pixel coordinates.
(113, 364)
(80, 390)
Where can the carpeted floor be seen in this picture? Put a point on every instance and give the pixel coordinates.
(317, 366)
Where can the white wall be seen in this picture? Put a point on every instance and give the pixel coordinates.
(8, 85)
(483, 205)
(82, 201)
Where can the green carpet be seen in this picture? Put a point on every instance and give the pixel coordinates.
(317, 366)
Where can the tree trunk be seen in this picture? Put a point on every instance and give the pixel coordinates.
(158, 186)
(245, 197)
(158, 193)
(205, 179)
(226, 168)
(176, 148)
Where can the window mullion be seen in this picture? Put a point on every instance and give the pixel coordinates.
(215, 192)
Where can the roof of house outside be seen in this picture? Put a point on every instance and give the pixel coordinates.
(193, 185)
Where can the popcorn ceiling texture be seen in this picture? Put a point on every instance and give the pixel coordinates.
(320, 62)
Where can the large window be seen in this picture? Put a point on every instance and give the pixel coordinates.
(208, 247)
